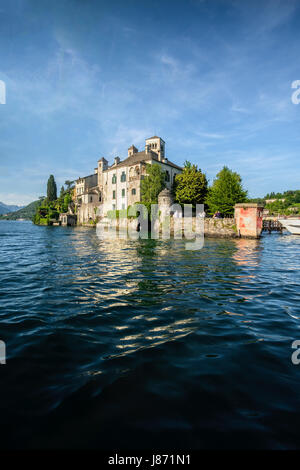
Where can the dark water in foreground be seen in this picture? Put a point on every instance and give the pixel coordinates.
(142, 344)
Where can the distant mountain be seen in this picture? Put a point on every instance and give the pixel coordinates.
(6, 208)
(26, 212)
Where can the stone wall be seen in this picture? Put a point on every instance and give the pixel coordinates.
(224, 228)
(86, 212)
(219, 228)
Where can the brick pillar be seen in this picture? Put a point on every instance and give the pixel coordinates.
(248, 219)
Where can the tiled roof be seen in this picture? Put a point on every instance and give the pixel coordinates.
(136, 158)
(167, 162)
(85, 177)
(140, 157)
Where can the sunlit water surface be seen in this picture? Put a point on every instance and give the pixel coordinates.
(143, 344)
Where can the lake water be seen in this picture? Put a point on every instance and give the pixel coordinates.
(143, 344)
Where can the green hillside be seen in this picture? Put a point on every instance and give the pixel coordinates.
(26, 213)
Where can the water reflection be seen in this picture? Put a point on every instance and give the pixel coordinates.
(112, 325)
(140, 275)
(150, 292)
(248, 252)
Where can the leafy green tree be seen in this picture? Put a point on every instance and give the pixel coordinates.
(62, 192)
(69, 184)
(67, 201)
(152, 185)
(190, 186)
(277, 207)
(187, 164)
(225, 192)
(258, 200)
(51, 189)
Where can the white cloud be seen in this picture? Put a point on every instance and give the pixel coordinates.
(211, 135)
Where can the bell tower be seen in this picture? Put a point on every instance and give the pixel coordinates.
(102, 166)
(157, 145)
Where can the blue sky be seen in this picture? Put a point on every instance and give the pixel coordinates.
(86, 79)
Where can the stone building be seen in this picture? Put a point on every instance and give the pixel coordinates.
(118, 186)
(66, 218)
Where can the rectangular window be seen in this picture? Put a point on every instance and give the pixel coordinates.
(114, 195)
(114, 207)
(123, 177)
(133, 191)
(123, 206)
(114, 179)
(123, 192)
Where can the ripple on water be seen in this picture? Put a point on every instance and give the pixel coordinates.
(122, 341)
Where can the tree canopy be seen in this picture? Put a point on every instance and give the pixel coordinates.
(50, 207)
(152, 184)
(190, 186)
(69, 184)
(225, 192)
(51, 189)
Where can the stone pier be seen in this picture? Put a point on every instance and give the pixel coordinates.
(249, 219)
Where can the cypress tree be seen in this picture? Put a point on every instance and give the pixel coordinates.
(51, 189)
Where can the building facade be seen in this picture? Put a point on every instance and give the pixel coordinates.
(118, 186)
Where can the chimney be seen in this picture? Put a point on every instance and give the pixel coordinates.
(117, 160)
(132, 150)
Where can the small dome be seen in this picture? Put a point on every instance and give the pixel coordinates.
(165, 198)
(165, 193)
